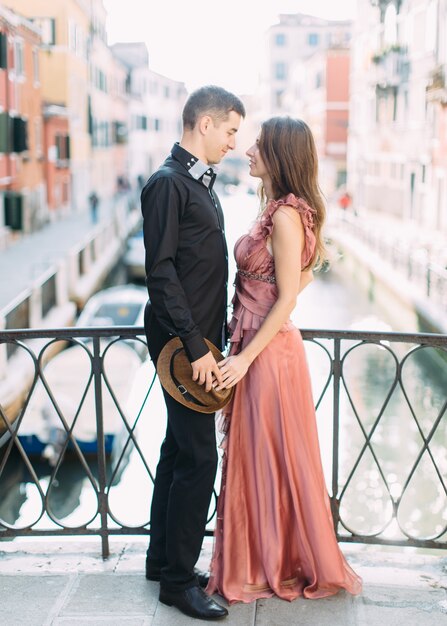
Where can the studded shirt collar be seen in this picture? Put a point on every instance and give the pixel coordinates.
(197, 168)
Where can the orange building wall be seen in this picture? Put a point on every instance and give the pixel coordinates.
(31, 172)
(337, 94)
(8, 164)
(58, 178)
(23, 99)
(337, 75)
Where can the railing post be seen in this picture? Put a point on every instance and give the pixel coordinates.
(102, 476)
(336, 372)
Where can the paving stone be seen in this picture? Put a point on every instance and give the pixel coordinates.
(329, 611)
(65, 557)
(388, 616)
(63, 583)
(111, 594)
(27, 600)
(122, 620)
(402, 597)
(394, 605)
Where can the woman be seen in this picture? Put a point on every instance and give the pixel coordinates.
(274, 533)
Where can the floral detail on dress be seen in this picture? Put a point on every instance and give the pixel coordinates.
(263, 227)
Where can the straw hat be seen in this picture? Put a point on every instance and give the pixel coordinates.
(175, 374)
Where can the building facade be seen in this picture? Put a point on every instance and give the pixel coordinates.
(63, 58)
(107, 110)
(155, 106)
(22, 181)
(397, 150)
(318, 93)
(57, 159)
(295, 38)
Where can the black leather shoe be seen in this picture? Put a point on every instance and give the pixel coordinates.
(153, 573)
(193, 602)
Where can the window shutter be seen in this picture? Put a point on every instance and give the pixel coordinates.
(5, 132)
(3, 51)
(14, 210)
(57, 140)
(20, 135)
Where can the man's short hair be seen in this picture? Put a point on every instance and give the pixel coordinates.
(213, 101)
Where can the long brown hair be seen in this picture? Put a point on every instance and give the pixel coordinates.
(288, 149)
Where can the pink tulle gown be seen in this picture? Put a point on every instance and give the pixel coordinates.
(274, 532)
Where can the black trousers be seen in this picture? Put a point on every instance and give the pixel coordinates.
(183, 488)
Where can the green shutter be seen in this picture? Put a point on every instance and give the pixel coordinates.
(3, 51)
(13, 210)
(4, 132)
(20, 135)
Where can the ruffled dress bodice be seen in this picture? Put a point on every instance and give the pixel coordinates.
(254, 297)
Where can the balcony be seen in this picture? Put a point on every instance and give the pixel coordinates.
(383, 5)
(436, 89)
(392, 67)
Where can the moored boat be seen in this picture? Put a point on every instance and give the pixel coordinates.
(62, 411)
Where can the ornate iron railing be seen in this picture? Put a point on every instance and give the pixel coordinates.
(412, 262)
(381, 402)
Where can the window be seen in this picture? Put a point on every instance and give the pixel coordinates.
(390, 25)
(36, 65)
(167, 93)
(100, 79)
(3, 51)
(157, 125)
(394, 104)
(119, 132)
(72, 36)
(62, 150)
(18, 53)
(278, 98)
(20, 134)
(5, 132)
(280, 39)
(431, 26)
(141, 122)
(280, 71)
(77, 40)
(38, 136)
(14, 219)
(48, 27)
(312, 39)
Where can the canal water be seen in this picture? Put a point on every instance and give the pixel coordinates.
(392, 426)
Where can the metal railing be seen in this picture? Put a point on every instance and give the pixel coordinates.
(381, 401)
(413, 262)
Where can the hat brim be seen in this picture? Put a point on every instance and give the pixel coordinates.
(174, 361)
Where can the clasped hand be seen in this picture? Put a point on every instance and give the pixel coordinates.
(232, 370)
(206, 372)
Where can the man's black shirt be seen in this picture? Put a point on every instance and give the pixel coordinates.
(186, 253)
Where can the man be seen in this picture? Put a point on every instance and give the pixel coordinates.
(187, 272)
(93, 201)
